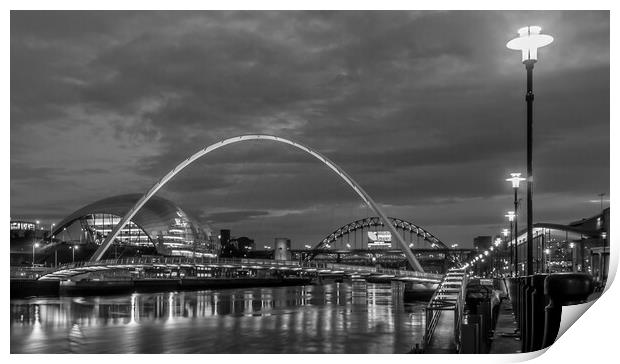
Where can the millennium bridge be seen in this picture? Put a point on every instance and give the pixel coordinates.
(178, 264)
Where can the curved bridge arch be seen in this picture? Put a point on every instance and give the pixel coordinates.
(342, 174)
(374, 221)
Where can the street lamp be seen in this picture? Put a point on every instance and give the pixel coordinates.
(503, 248)
(515, 180)
(528, 42)
(74, 248)
(51, 229)
(512, 217)
(604, 237)
(34, 245)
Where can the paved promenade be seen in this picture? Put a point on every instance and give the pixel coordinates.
(503, 340)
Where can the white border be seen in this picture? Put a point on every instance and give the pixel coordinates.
(593, 338)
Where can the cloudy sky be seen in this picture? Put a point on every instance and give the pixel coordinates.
(425, 110)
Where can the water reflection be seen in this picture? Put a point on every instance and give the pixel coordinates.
(333, 318)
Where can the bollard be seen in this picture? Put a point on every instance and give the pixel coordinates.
(527, 314)
(515, 283)
(511, 293)
(522, 317)
(484, 309)
(521, 322)
(563, 289)
(537, 323)
(481, 337)
(469, 338)
(515, 295)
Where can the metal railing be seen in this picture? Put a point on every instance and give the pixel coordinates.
(445, 299)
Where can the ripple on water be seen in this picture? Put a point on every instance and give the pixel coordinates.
(332, 318)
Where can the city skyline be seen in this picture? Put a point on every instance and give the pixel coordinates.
(424, 109)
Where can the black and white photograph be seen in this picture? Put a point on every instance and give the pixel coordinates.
(306, 181)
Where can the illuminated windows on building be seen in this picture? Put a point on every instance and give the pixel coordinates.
(100, 225)
(22, 225)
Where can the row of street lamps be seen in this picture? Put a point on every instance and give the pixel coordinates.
(528, 42)
(36, 245)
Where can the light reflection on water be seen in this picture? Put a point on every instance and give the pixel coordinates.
(332, 318)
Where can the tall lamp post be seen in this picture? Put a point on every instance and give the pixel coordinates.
(511, 217)
(73, 248)
(528, 42)
(497, 257)
(505, 234)
(51, 229)
(34, 245)
(603, 273)
(516, 179)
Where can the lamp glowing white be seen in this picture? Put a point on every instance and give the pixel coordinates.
(528, 42)
(511, 216)
(515, 179)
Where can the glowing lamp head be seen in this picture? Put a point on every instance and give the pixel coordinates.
(511, 216)
(36, 245)
(547, 251)
(515, 179)
(528, 42)
(491, 248)
(505, 232)
(486, 252)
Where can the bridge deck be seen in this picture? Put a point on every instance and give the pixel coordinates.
(70, 270)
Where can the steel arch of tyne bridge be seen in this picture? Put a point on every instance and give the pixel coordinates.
(374, 222)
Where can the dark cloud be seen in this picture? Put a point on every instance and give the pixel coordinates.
(234, 216)
(424, 109)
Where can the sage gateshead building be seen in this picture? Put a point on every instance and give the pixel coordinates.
(159, 224)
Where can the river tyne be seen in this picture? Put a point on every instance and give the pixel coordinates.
(349, 317)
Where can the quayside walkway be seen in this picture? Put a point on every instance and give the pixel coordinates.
(505, 338)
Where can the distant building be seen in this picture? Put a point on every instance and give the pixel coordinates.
(282, 249)
(159, 223)
(224, 237)
(482, 243)
(245, 244)
(24, 234)
(235, 247)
